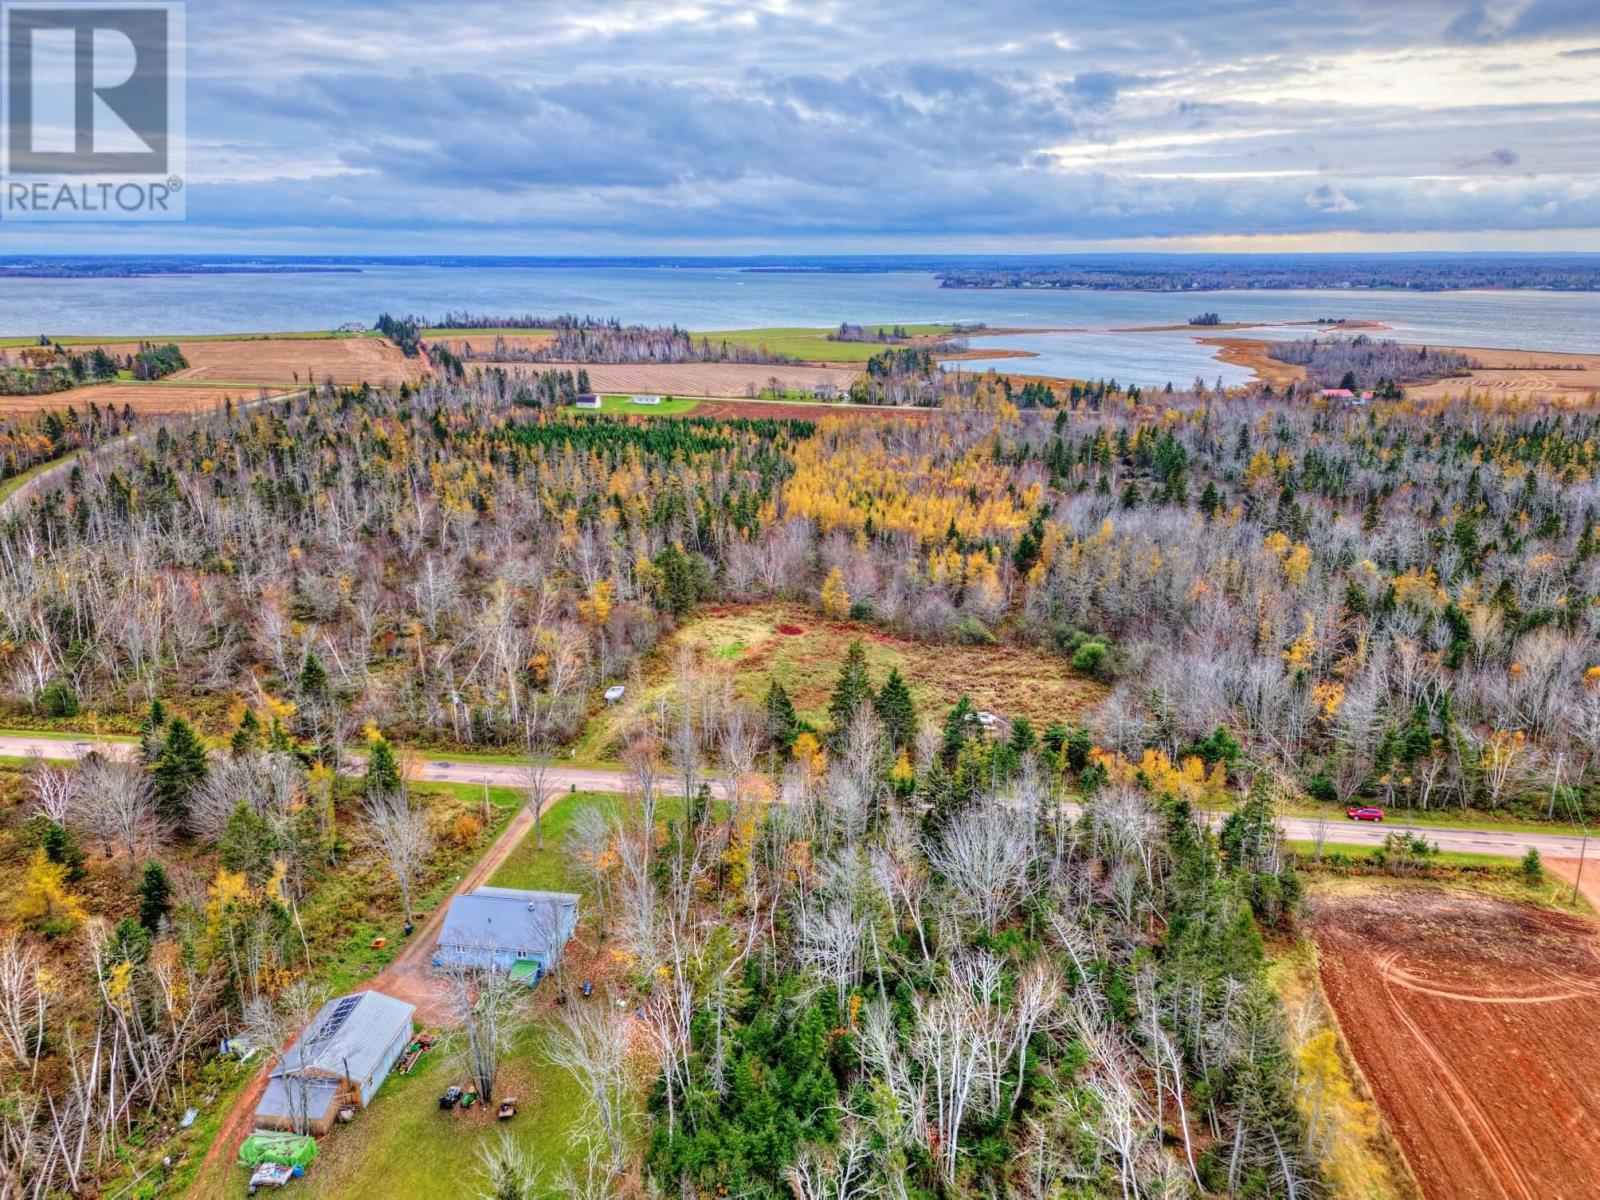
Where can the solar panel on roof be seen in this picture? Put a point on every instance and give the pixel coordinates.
(340, 1015)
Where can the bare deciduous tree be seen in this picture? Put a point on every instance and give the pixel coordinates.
(398, 830)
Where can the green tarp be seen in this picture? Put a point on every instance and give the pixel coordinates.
(524, 969)
(264, 1146)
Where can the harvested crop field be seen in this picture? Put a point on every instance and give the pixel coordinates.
(148, 400)
(802, 650)
(699, 379)
(1522, 373)
(1472, 1019)
(285, 361)
(484, 343)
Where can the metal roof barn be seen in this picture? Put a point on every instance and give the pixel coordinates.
(342, 1058)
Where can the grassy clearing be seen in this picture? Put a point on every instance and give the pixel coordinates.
(548, 870)
(670, 406)
(802, 650)
(403, 1145)
(810, 345)
(1488, 874)
(10, 487)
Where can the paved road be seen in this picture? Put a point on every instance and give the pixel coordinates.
(592, 779)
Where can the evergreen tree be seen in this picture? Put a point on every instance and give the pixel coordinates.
(150, 732)
(313, 677)
(854, 688)
(383, 768)
(155, 896)
(897, 710)
(782, 724)
(675, 589)
(247, 737)
(247, 845)
(61, 848)
(180, 768)
(957, 728)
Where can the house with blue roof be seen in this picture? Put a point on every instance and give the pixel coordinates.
(510, 929)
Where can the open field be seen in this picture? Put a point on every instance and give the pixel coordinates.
(1522, 373)
(670, 406)
(802, 650)
(812, 345)
(1472, 1020)
(271, 361)
(481, 341)
(146, 399)
(697, 379)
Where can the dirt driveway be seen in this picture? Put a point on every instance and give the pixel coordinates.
(407, 977)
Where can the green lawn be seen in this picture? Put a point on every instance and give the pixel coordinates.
(670, 406)
(546, 870)
(9, 487)
(810, 344)
(404, 1145)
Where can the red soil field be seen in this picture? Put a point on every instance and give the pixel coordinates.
(1473, 1021)
(285, 361)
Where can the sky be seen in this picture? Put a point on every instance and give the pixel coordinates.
(728, 126)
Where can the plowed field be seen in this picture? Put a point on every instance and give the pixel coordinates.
(1473, 1020)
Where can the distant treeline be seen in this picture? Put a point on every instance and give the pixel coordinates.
(856, 333)
(1304, 271)
(1206, 318)
(50, 367)
(592, 340)
(551, 389)
(405, 332)
(1362, 363)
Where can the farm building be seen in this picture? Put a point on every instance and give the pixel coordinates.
(587, 400)
(513, 930)
(341, 1059)
(647, 399)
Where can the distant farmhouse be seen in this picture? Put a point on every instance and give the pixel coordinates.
(587, 400)
(1346, 395)
(647, 399)
(510, 929)
(340, 1061)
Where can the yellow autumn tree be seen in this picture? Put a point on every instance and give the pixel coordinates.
(835, 598)
(1338, 1122)
(44, 899)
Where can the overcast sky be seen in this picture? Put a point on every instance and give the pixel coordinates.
(815, 125)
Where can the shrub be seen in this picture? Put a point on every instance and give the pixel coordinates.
(1532, 867)
(975, 633)
(57, 699)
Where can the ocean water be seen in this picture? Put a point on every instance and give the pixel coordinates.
(711, 298)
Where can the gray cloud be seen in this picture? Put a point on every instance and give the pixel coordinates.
(902, 119)
(1503, 157)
